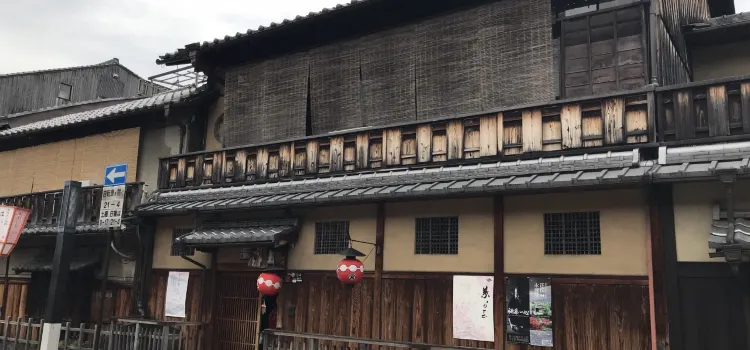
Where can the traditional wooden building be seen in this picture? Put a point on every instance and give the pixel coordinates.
(28, 91)
(560, 156)
(43, 149)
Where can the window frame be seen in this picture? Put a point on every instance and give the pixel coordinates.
(176, 250)
(321, 246)
(562, 239)
(621, 83)
(448, 245)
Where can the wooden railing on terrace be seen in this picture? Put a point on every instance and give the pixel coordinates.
(607, 120)
(45, 206)
(707, 109)
(283, 340)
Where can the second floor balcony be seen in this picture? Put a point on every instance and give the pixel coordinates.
(682, 114)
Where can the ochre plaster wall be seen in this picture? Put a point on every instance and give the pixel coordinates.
(693, 213)
(475, 236)
(362, 221)
(623, 222)
(163, 246)
(721, 61)
(46, 167)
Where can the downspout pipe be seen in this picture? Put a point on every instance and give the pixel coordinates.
(203, 284)
(653, 18)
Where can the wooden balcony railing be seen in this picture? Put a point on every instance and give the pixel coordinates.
(708, 109)
(607, 120)
(45, 206)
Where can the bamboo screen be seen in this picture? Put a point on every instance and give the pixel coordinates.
(491, 56)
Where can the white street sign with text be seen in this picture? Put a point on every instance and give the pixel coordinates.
(110, 212)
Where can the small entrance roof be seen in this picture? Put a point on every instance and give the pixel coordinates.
(272, 232)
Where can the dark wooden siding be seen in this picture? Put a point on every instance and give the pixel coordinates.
(604, 52)
(116, 303)
(158, 293)
(25, 92)
(588, 313)
(713, 303)
(672, 50)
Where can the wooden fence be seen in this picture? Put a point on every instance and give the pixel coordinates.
(121, 335)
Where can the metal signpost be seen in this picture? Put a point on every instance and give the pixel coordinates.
(110, 217)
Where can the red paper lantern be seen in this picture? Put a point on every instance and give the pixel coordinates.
(269, 284)
(350, 271)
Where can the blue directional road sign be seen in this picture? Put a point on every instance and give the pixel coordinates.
(115, 175)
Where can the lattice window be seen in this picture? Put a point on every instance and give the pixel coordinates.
(436, 236)
(572, 234)
(178, 250)
(331, 237)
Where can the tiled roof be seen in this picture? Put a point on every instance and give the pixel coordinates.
(267, 231)
(587, 170)
(181, 53)
(46, 262)
(717, 236)
(52, 229)
(74, 104)
(726, 21)
(124, 108)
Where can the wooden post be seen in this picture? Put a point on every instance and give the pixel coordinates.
(498, 213)
(103, 287)
(3, 312)
(56, 298)
(667, 315)
(378, 287)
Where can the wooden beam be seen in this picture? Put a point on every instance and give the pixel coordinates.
(363, 150)
(337, 153)
(424, 143)
(488, 136)
(498, 213)
(613, 113)
(393, 147)
(455, 133)
(684, 117)
(745, 102)
(500, 133)
(531, 124)
(570, 118)
(667, 310)
(377, 291)
(718, 111)
(312, 157)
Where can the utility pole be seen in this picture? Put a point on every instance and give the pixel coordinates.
(64, 248)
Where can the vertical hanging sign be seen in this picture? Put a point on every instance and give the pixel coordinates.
(529, 311)
(473, 314)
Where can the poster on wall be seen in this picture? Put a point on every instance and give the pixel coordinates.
(529, 311)
(473, 314)
(177, 286)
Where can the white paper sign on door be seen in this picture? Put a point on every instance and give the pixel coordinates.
(177, 286)
(473, 314)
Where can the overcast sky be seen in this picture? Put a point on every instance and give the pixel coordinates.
(43, 34)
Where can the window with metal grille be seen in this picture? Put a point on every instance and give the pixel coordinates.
(572, 234)
(436, 236)
(178, 250)
(331, 237)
